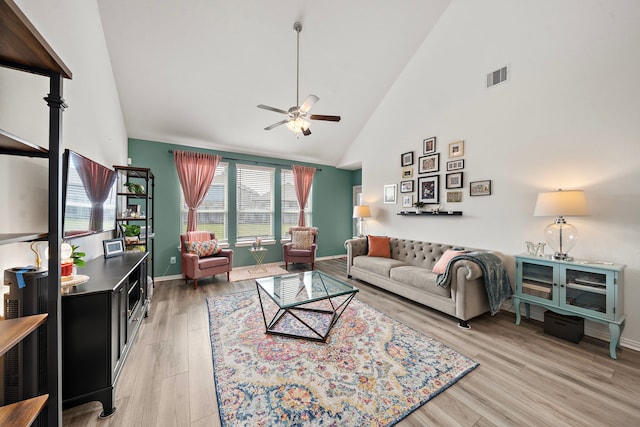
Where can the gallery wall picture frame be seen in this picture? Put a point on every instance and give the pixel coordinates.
(480, 188)
(406, 186)
(429, 189)
(429, 164)
(454, 180)
(406, 159)
(407, 200)
(454, 196)
(429, 145)
(407, 172)
(456, 149)
(454, 165)
(390, 193)
(113, 247)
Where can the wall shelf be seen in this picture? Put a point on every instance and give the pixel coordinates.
(6, 238)
(428, 213)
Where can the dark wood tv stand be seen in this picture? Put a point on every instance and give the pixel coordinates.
(100, 320)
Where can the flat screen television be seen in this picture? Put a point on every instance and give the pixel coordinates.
(88, 196)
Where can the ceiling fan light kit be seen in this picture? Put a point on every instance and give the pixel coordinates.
(298, 115)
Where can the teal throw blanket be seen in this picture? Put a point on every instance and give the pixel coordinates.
(496, 279)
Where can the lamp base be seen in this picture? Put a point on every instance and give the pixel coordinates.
(562, 257)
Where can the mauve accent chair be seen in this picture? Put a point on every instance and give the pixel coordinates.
(194, 267)
(306, 256)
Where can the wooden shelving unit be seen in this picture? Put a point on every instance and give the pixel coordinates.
(24, 49)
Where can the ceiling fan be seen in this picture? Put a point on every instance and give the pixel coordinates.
(298, 115)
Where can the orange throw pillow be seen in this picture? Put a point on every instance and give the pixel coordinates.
(379, 246)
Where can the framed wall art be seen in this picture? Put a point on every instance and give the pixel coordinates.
(480, 188)
(407, 200)
(429, 189)
(429, 164)
(390, 193)
(456, 149)
(454, 165)
(454, 180)
(407, 173)
(429, 145)
(406, 159)
(454, 196)
(406, 186)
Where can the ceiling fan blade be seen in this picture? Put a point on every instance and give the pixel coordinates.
(277, 110)
(306, 131)
(308, 103)
(323, 117)
(276, 124)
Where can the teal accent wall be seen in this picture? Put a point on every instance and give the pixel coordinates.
(332, 193)
(356, 177)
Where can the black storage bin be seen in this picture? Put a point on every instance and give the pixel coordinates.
(570, 328)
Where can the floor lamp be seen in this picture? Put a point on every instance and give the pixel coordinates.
(360, 213)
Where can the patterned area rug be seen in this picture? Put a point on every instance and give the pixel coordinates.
(373, 370)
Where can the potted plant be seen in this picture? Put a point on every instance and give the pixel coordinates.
(134, 188)
(419, 205)
(131, 233)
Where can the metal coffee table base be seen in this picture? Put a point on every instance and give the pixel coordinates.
(298, 313)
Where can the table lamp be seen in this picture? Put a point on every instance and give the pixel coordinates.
(360, 212)
(560, 235)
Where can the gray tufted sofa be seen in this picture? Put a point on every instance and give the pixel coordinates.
(408, 273)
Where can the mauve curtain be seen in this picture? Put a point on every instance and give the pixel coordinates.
(195, 171)
(302, 179)
(97, 181)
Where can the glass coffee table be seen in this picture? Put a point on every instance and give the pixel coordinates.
(303, 305)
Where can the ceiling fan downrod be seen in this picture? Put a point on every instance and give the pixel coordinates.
(297, 27)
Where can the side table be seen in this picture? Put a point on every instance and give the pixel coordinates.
(258, 254)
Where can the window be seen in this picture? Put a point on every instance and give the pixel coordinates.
(290, 208)
(255, 204)
(213, 213)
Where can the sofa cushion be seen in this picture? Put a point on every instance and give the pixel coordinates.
(419, 278)
(203, 249)
(441, 265)
(302, 239)
(379, 247)
(299, 252)
(377, 265)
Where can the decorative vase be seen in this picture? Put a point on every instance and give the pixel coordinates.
(418, 211)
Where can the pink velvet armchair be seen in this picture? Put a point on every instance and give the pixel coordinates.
(195, 267)
(302, 248)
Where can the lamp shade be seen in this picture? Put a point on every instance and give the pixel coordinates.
(561, 203)
(361, 211)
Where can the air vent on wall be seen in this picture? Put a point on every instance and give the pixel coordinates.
(497, 76)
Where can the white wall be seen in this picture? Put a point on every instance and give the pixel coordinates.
(568, 118)
(92, 125)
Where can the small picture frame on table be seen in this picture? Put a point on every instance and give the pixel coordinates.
(406, 186)
(113, 247)
(480, 188)
(429, 145)
(406, 159)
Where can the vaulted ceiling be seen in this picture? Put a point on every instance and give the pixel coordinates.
(191, 72)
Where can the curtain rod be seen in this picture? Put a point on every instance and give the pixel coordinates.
(254, 161)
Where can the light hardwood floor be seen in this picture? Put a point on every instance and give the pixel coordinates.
(525, 378)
